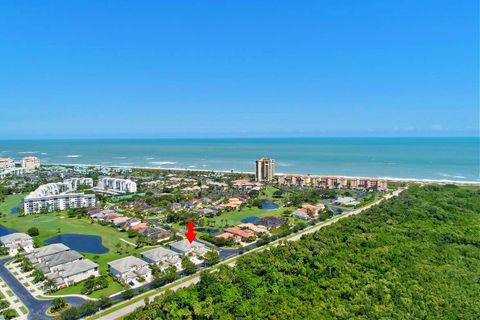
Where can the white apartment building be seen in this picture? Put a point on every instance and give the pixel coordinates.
(31, 163)
(115, 185)
(59, 196)
(6, 163)
(12, 171)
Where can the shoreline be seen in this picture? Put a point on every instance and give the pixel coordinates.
(392, 179)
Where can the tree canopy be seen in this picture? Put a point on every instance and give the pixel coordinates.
(416, 256)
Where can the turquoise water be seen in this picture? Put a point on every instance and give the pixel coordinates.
(427, 158)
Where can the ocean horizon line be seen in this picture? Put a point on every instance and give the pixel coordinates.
(246, 138)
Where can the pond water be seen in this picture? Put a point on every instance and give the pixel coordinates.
(4, 231)
(15, 210)
(269, 205)
(80, 242)
(210, 230)
(251, 219)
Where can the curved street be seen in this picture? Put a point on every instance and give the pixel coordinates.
(37, 307)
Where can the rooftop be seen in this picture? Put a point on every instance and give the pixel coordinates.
(126, 264)
(158, 254)
(17, 236)
(48, 250)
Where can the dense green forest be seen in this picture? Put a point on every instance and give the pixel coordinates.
(416, 256)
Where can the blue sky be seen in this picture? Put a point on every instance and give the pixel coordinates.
(72, 69)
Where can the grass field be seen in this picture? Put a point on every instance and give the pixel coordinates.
(113, 287)
(234, 218)
(11, 202)
(56, 223)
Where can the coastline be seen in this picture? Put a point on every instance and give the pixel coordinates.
(392, 179)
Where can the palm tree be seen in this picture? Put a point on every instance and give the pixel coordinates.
(49, 285)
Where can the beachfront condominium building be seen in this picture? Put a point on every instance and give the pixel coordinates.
(6, 163)
(330, 182)
(115, 186)
(59, 196)
(31, 163)
(264, 170)
(368, 183)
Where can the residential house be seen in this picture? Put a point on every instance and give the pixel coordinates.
(68, 274)
(257, 229)
(163, 258)
(46, 251)
(241, 233)
(130, 270)
(194, 250)
(17, 242)
(271, 222)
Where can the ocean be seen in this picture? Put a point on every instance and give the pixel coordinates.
(419, 158)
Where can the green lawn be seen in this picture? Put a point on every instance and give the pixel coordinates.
(11, 202)
(23, 310)
(113, 287)
(49, 225)
(234, 218)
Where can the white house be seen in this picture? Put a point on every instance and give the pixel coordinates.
(15, 242)
(131, 270)
(71, 273)
(37, 254)
(195, 250)
(163, 258)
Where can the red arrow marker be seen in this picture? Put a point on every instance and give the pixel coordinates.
(190, 234)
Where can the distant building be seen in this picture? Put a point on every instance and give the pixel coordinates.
(12, 171)
(17, 242)
(115, 185)
(6, 163)
(264, 170)
(271, 222)
(31, 163)
(368, 183)
(330, 182)
(59, 196)
(245, 185)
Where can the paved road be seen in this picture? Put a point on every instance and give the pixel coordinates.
(37, 308)
(131, 307)
(231, 262)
